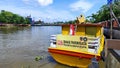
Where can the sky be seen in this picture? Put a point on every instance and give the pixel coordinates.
(52, 10)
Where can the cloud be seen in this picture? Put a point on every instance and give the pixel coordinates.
(59, 15)
(45, 2)
(40, 2)
(82, 5)
(47, 15)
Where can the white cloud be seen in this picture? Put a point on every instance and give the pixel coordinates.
(40, 2)
(45, 2)
(59, 15)
(47, 15)
(82, 5)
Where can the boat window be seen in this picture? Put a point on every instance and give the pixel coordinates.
(91, 31)
(65, 30)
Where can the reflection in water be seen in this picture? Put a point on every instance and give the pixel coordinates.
(20, 45)
(7, 30)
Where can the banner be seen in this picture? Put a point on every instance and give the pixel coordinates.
(73, 43)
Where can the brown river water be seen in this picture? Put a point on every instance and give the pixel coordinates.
(19, 47)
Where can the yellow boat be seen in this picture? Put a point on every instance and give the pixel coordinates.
(78, 48)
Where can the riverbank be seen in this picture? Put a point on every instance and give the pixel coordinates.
(46, 25)
(12, 25)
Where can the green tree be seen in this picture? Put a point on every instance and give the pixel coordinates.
(9, 17)
(26, 21)
(104, 12)
(2, 19)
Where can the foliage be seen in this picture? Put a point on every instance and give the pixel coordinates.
(11, 18)
(39, 22)
(37, 58)
(104, 12)
(66, 22)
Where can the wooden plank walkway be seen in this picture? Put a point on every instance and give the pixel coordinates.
(112, 53)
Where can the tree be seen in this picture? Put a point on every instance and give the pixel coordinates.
(9, 17)
(104, 12)
(2, 19)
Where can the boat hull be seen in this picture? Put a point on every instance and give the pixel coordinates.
(71, 58)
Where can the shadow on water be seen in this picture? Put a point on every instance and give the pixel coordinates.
(53, 64)
(50, 59)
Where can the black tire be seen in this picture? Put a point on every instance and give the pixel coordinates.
(103, 55)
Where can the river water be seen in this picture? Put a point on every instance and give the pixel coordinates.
(20, 45)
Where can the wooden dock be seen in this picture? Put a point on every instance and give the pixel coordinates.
(112, 53)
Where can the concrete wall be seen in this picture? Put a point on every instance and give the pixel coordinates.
(111, 61)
